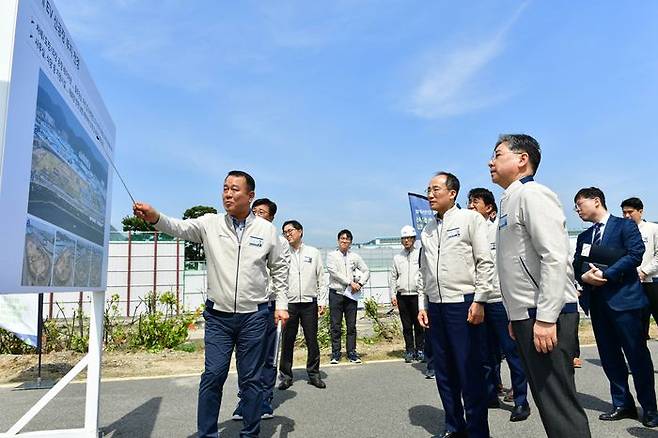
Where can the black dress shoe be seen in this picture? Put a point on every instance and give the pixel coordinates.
(650, 419)
(317, 382)
(619, 414)
(285, 384)
(520, 413)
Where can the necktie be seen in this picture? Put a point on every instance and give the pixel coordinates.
(597, 234)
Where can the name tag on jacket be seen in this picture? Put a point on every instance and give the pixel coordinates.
(453, 232)
(308, 259)
(502, 223)
(255, 241)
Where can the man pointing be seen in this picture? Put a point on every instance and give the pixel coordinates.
(240, 248)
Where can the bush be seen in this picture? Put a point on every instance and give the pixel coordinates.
(160, 326)
(382, 329)
(157, 330)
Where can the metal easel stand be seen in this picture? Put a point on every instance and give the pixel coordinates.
(92, 361)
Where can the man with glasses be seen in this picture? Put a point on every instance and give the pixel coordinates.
(456, 276)
(307, 299)
(496, 321)
(347, 275)
(606, 260)
(242, 252)
(537, 284)
(266, 209)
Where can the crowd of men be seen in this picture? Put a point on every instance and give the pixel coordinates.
(488, 282)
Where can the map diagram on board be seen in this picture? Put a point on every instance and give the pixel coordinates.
(65, 226)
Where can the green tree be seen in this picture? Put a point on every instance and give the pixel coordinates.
(133, 223)
(194, 251)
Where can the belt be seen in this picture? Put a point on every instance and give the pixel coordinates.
(210, 307)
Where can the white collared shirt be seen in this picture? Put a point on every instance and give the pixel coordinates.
(604, 222)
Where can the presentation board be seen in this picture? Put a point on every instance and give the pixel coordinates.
(56, 140)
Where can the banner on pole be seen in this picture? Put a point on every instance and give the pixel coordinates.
(421, 213)
(19, 315)
(56, 146)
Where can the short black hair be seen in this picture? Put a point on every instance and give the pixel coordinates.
(590, 193)
(522, 143)
(251, 184)
(348, 233)
(271, 206)
(293, 223)
(635, 203)
(484, 194)
(452, 182)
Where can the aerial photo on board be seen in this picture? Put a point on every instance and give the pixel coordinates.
(64, 258)
(38, 257)
(82, 264)
(68, 180)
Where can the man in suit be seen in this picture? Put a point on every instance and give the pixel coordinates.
(613, 296)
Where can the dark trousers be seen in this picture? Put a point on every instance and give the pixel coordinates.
(459, 365)
(340, 305)
(619, 334)
(651, 290)
(429, 353)
(307, 314)
(414, 337)
(268, 373)
(551, 378)
(224, 332)
(495, 318)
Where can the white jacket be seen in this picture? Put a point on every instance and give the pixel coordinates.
(649, 265)
(286, 255)
(343, 270)
(492, 230)
(306, 276)
(533, 254)
(455, 259)
(403, 275)
(237, 269)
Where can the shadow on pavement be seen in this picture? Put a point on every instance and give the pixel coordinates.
(420, 367)
(278, 426)
(642, 432)
(281, 397)
(593, 403)
(596, 362)
(428, 417)
(138, 423)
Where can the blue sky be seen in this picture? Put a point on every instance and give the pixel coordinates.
(338, 109)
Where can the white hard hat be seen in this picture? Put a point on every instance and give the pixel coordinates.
(408, 231)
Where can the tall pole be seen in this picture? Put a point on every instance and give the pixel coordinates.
(130, 241)
(155, 261)
(39, 336)
(177, 276)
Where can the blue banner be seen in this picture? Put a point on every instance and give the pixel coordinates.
(421, 213)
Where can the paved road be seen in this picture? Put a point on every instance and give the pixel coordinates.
(389, 399)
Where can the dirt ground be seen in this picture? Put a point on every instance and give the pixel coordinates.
(23, 368)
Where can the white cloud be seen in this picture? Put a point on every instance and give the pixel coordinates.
(450, 82)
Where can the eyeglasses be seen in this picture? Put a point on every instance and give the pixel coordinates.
(498, 154)
(434, 190)
(288, 231)
(577, 206)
